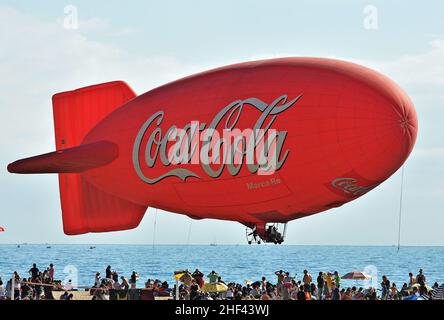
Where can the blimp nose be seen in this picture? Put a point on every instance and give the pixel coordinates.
(405, 124)
(379, 134)
(408, 122)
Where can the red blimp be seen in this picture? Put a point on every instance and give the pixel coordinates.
(261, 143)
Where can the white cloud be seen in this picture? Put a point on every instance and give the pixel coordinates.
(433, 152)
(423, 69)
(41, 58)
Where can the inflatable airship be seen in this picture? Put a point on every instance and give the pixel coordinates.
(261, 143)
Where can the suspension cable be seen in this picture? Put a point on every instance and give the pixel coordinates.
(400, 208)
(154, 227)
(189, 232)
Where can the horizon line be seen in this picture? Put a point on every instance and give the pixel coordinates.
(222, 244)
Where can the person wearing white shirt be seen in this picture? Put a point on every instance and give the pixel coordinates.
(97, 280)
(2, 291)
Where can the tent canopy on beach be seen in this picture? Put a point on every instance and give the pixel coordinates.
(417, 285)
(438, 293)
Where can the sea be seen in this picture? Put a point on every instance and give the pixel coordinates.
(234, 263)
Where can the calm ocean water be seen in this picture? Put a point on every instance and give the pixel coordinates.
(233, 263)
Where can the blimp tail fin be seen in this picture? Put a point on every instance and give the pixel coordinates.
(77, 112)
(86, 208)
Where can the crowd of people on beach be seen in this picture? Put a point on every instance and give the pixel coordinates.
(40, 285)
(326, 286)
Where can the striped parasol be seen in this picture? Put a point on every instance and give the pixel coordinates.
(356, 275)
(438, 293)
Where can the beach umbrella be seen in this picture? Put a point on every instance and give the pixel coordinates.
(215, 287)
(2, 229)
(438, 293)
(356, 275)
(178, 274)
(183, 276)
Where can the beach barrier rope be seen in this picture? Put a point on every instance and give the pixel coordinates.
(189, 232)
(75, 288)
(59, 286)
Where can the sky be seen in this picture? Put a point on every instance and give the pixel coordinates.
(44, 49)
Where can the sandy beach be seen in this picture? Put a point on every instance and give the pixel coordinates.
(78, 295)
(84, 295)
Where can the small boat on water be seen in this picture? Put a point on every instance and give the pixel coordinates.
(92, 247)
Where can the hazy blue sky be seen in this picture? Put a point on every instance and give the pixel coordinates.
(149, 43)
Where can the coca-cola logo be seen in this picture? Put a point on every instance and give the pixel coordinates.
(351, 186)
(215, 146)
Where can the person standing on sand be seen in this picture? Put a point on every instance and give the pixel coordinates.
(97, 280)
(116, 280)
(385, 285)
(321, 282)
(328, 283)
(38, 287)
(133, 280)
(47, 289)
(51, 272)
(280, 275)
(199, 277)
(17, 285)
(194, 290)
(307, 278)
(2, 291)
(26, 291)
(412, 279)
(420, 278)
(108, 272)
(337, 279)
(213, 276)
(34, 271)
(264, 284)
(124, 284)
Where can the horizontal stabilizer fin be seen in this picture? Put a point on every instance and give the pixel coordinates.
(71, 160)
